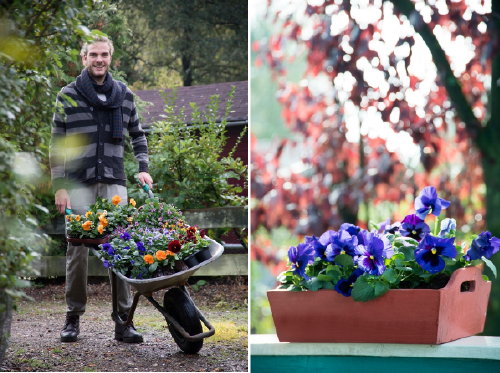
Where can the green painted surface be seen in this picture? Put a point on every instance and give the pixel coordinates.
(358, 364)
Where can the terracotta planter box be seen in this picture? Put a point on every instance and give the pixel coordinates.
(421, 316)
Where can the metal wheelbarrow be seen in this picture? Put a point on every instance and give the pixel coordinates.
(183, 318)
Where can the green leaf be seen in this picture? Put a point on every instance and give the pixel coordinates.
(153, 267)
(381, 287)
(344, 260)
(490, 265)
(313, 284)
(363, 290)
(390, 276)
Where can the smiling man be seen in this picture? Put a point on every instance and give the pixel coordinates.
(93, 115)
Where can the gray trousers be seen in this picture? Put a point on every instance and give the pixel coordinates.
(77, 256)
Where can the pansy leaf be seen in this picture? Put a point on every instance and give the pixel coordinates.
(408, 251)
(153, 267)
(363, 290)
(344, 260)
(490, 265)
(390, 276)
(313, 284)
(381, 287)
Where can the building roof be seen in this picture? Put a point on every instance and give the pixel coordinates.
(201, 96)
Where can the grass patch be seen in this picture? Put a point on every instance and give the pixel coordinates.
(154, 321)
(228, 331)
(35, 363)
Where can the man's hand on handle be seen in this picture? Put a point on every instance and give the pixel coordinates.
(62, 200)
(145, 178)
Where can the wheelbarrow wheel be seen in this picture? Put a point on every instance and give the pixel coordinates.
(178, 304)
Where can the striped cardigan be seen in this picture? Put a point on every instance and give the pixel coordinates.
(82, 148)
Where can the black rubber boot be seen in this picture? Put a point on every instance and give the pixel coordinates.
(71, 329)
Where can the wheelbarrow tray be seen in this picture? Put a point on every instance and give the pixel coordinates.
(150, 285)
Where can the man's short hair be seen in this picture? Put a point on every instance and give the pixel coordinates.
(97, 39)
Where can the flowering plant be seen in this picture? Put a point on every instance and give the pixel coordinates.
(144, 249)
(155, 213)
(101, 219)
(366, 264)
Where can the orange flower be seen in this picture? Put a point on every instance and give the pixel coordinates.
(149, 259)
(130, 219)
(87, 225)
(100, 228)
(103, 221)
(116, 200)
(132, 202)
(161, 255)
(170, 253)
(77, 217)
(88, 213)
(69, 217)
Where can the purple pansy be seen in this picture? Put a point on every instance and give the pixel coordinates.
(352, 229)
(430, 251)
(340, 243)
(319, 248)
(371, 254)
(483, 245)
(414, 227)
(106, 246)
(428, 202)
(140, 247)
(300, 257)
(344, 286)
(125, 236)
(447, 226)
(386, 227)
(107, 264)
(111, 251)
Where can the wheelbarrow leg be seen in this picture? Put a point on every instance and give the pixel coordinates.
(115, 315)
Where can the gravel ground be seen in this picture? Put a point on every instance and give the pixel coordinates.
(35, 345)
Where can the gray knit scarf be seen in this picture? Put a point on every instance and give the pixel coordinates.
(115, 94)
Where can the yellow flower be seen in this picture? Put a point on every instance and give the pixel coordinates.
(88, 213)
(87, 225)
(130, 219)
(116, 200)
(132, 202)
(100, 228)
(77, 217)
(149, 259)
(161, 255)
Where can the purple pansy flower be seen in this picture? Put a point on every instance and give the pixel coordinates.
(344, 286)
(125, 236)
(371, 254)
(483, 245)
(140, 247)
(111, 251)
(107, 264)
(428, 202)
(414, 227)
(352, 229)
(430, 251)
(106, 246)
(319, 248)
(447, 226)
(340, 243)
(300, 257)
(386, 227)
